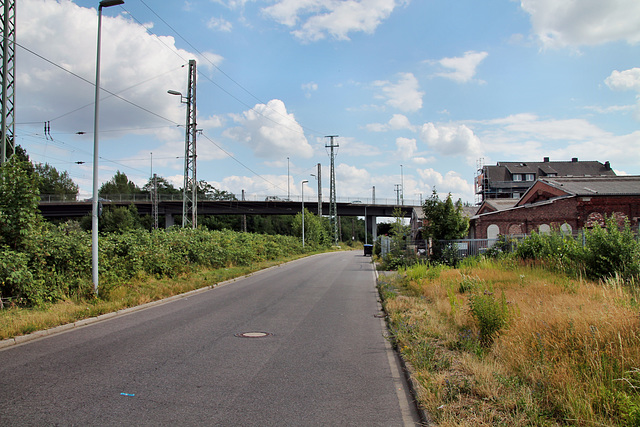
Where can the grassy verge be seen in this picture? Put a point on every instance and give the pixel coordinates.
(16, 321)
(502, 343)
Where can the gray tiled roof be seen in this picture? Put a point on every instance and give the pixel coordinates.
(591, 186)
(566, 168)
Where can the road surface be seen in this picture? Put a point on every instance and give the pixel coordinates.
(294, 345)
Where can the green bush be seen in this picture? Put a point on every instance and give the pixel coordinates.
(56, 261)
(611, 250)
(492, 315)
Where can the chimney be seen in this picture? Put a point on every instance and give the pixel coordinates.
(574, 160)
(546, 160)
(607, 165)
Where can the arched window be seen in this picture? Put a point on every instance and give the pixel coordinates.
(544, 229)
(493, 231)
(566, 229)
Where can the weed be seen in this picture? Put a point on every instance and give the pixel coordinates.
(492, 315)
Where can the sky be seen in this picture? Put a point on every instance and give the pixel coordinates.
(419, 92)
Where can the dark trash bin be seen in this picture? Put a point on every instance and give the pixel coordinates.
(368, 250)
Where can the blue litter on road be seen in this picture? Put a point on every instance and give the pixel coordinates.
(127, 394)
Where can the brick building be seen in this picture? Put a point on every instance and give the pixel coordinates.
(566, 203)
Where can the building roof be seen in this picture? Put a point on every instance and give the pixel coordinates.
(497, 204)
(503, 171)
(601, 186)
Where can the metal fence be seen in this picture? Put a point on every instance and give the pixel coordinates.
(470, 247)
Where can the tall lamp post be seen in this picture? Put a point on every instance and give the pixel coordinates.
(302, 191)
(96, 117)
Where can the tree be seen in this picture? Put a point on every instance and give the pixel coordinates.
(119, 219)
(164, 186)
(444, 220)
(119, 184)
(55, 183)
(19, 199)
(316, 229)
(208, 192)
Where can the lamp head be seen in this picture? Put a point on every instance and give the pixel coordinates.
(109, 3)
(305, 181)
(174, 92)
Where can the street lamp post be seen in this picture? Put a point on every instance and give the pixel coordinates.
(302, 191)
(96, 117)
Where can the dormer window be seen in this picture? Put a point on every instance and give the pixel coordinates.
(530, 177)
(517, 177)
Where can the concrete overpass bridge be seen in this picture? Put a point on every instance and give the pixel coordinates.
(170, 206)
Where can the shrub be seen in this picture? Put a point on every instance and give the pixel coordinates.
(492, 315)
(611, 250)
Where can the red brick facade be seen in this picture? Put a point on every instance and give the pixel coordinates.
(577, 211)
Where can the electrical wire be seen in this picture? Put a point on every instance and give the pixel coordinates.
(202, 55)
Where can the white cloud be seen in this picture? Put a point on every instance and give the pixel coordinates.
(219, 24)
(403, 95)
(352, 147)
(451, 182)
(314, 20)
(463, 69)
(626, 80)
(308, 88)
(586, 22)
(396, 122)
(270, 131)
(134, 64)
(406, 147)
(452, 140)
(528, 137)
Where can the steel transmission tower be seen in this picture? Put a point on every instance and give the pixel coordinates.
(7, 144)
(333, 206)
(190, 188)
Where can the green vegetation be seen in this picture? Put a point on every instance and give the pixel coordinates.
(507, 342)
(522, 337)
(609, 251)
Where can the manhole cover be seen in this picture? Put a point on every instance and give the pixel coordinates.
(253, 334)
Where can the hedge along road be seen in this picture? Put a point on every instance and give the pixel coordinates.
(299, 344)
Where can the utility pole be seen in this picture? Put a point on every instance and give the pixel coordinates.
(402, 184)
(373, 195)
(397, 190)
(319, 190)
(190, 188)
(7, 125)
(333, 206)
(244, 217)
(154, 201)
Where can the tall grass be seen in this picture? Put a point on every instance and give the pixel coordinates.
(523, 345)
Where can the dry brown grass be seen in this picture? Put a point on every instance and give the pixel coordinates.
(569, 354)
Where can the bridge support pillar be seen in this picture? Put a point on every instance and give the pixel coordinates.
(371, 227)
(169, 221)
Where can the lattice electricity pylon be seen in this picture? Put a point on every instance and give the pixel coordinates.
(8, 18)
(190, 188)
(333, 206)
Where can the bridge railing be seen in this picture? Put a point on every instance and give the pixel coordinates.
(146, 197)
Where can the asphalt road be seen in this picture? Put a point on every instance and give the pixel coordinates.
(324, 361)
